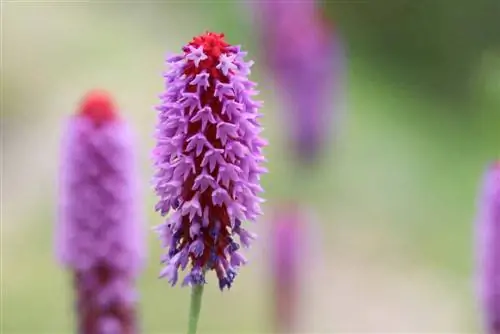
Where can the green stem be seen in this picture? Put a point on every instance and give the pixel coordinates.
(194, 308)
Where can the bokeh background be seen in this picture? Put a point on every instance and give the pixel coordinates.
(393, 195)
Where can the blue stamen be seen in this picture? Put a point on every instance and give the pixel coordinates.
(233, 247)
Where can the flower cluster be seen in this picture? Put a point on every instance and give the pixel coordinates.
(488, 248)
(99, 237)
(288, 251)
(208, 160)
(305, 59)
(288, 238)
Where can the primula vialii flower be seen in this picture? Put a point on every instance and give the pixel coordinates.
(488, 249)
(99, 236)
(289, 250)
(305, 60)
(208, 160)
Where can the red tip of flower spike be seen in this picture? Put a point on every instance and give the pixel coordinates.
(98, 106)
(213, 46)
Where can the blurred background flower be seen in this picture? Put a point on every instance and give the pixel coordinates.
(289, 240)
(395, 202)
(99, 234)
(488, 249)
(304, 57)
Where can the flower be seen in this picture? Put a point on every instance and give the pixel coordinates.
(304, 57)
(287, 242)
(208, 160)
(289, 247)
(488, 248)
(99, 236)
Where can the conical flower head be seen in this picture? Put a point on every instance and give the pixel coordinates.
(488, 248)
(99, 235)
(208, 160)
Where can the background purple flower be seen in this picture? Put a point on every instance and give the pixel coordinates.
(288, 253)
(488, 248)
(304, 57)
(208, 160)
(99, 235)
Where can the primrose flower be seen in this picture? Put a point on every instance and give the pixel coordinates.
(208, 160)
(99, 236)
(304, 57)
(289, 250)
(488, 249)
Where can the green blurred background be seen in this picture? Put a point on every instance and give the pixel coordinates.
(394, 195)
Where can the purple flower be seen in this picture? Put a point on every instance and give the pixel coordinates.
(304, 58)
(287, 242)
(99, 235)
(208, 160)
(488, 248)
(287, 260)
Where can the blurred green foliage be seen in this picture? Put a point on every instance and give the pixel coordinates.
(435, 44)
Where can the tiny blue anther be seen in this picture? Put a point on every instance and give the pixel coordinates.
(172, 252)
(175, 204)
(212, 260)
(177, 235)
(222, 283)
(231, 274)
(214, 233)
(233, 247)
(198, 278)
(237, 226)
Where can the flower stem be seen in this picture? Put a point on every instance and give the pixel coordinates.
(194, 308)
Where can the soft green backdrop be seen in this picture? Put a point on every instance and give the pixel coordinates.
(394, 196)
